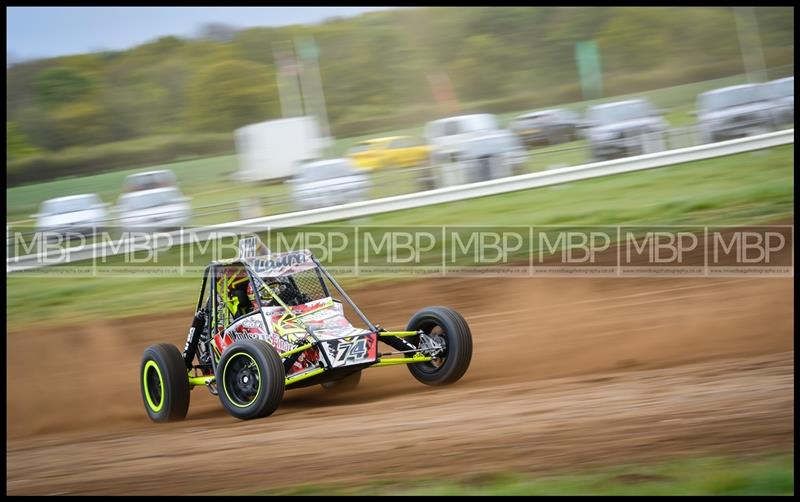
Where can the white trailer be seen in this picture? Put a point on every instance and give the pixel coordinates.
(273, 150)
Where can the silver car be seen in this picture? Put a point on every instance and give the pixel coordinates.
(323, 183)
(154, 209)
(733, 112)
(82, 214)
(624, 129)
(471, 148)
(149, 180)
(546, 127)
(781, 96)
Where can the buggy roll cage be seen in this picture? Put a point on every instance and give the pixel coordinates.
(203, 325)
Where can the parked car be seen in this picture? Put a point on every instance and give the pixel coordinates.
(471, 148)
(323, 183)
(733, 112)
(81, 214)
(781, 95)
(546, 127)
(624, 128)
(149, 180)
(154, 209)
(395, 151)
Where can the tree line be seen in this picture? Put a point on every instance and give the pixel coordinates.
(375, 69)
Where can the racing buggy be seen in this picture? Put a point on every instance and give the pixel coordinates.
(266, 322)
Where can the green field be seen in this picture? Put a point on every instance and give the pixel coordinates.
(208, 181)
(749, 188)
(771, 474)
(675, 101)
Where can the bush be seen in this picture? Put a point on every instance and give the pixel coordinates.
(667, 76)
(113, 156)
(364, 120)
(374, 121)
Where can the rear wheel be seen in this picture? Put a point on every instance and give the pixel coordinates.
(446, 327)
(164, 383)
(250, 379)
(559, 136)
(574, 135)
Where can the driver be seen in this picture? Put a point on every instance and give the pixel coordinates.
(285, 290)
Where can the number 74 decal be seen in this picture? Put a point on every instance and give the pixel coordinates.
(351, 351)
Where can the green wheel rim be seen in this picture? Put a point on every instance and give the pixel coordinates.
(148, 379)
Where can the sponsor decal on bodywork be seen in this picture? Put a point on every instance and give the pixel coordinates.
(282, 264)
(343, 343)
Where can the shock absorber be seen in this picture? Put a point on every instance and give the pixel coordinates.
(193, 338)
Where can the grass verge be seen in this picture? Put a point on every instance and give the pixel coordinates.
(750, 188)
(771, 474)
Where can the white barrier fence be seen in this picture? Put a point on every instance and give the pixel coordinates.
(408, 201)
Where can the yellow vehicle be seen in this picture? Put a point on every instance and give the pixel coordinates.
(395, 151)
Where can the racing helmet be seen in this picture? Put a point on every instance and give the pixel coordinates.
(236, 282)
(251, 295)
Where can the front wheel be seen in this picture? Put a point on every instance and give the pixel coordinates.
(250, 379)
(164, 383)
(446, 327)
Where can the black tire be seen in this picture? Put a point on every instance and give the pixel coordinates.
(573, 135)
(561, 136)
(348, 383)
(449, 324)
(250, 379)
(164, 383)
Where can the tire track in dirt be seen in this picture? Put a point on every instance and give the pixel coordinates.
(565, 373)
(719, 406)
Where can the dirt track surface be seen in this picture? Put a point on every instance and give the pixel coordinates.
(566, 373)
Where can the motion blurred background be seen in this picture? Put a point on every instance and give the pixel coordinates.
(211, 115)
(182, 96)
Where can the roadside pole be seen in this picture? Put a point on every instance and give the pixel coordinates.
(287, 71)
(311, 82)
(750, 44)
(589, 69)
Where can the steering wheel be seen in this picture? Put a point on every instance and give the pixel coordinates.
(287, 292)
